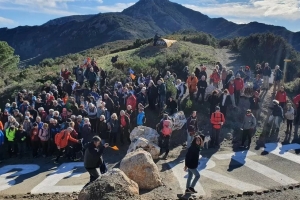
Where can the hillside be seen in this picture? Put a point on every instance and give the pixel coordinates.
(76, 33)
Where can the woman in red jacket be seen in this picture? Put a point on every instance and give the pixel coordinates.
(281, 97)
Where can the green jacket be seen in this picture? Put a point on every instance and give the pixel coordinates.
(10, 134)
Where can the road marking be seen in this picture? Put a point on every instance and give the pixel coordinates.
(7, 177)
(48, 185)
(282, 151)
(241, 157)
(204, 165)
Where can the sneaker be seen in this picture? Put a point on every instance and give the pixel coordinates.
(188, 191)
(193, 190)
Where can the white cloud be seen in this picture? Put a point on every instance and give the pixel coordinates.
(118, 7)
(282, 9)
(6, 21)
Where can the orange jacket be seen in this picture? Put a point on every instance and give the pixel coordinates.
(215, 77)
(62, 138)
(192, 83)
(216, 118)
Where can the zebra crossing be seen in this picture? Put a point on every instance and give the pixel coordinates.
(273, 166)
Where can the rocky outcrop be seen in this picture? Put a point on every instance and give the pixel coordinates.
(113, 185)
(145, 132)
(139, 167)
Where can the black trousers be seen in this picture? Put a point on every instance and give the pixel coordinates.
(215, 136)
(202, 93)
(125, 135)
(164, 143)
(113, 138)
(237, 96)
(59, 154)
(94, 174)
(247, 134)
(11, 146)
(223, 110)
(289, 125)
(35, 147)
(45, 147)
(93, 125)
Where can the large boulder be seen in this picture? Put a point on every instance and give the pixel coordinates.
(145, 132)
(139, 167)
(113, 185)
(143, 143)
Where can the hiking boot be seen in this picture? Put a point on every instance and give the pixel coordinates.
(188, 191)
(193, 190)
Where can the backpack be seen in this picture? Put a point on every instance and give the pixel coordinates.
(184, 88)
(167, 128)
(60, 139)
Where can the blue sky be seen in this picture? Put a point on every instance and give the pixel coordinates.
(36, 12)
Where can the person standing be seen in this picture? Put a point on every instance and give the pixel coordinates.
(1, 145)
(165, 127)
(124, 127)
(277, 78)
(214, 100)
(114, 125)
(192, 85)
(248, 126)
(225, 101)
(202, 85)
(217, 120)
(266, 72)
(21, 136)
(191, 128)
(238, 86)
(289, 115)
(281, 97)
(191, 164)
(231, 92)
(10, 136)
(152, 95)
(162, 91)
(93, 157)
(277, 115)
(254, 104)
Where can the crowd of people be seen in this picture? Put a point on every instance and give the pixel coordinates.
(81, 110)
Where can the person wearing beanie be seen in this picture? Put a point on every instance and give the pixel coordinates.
(277, 115)
(248, 128)
(217, 120)
(93, 151)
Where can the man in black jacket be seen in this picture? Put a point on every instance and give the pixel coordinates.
(93, 157)
(172, 106)
(202, 85)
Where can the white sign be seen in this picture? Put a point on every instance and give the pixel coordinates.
(48, 185)
(7, 177)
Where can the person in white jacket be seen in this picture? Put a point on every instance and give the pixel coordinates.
(289, 115)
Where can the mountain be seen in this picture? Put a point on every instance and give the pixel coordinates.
(142, 20)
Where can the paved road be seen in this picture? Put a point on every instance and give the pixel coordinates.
(225, 171)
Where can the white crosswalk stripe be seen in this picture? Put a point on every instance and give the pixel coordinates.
(263, 165)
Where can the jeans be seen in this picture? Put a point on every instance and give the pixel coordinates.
(189, 182)
(232, 100)
(189, 139)
(276, 119)
(266, 82)
(162, 101)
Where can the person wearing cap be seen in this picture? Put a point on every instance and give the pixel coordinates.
(239, 86)
(217, 120)
(248, 128)
(10, 134)
(281, 97)
(93, 157)
(277, 115)
(278, 75)
(254, 104)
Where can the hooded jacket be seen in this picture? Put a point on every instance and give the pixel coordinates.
(92, 155)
